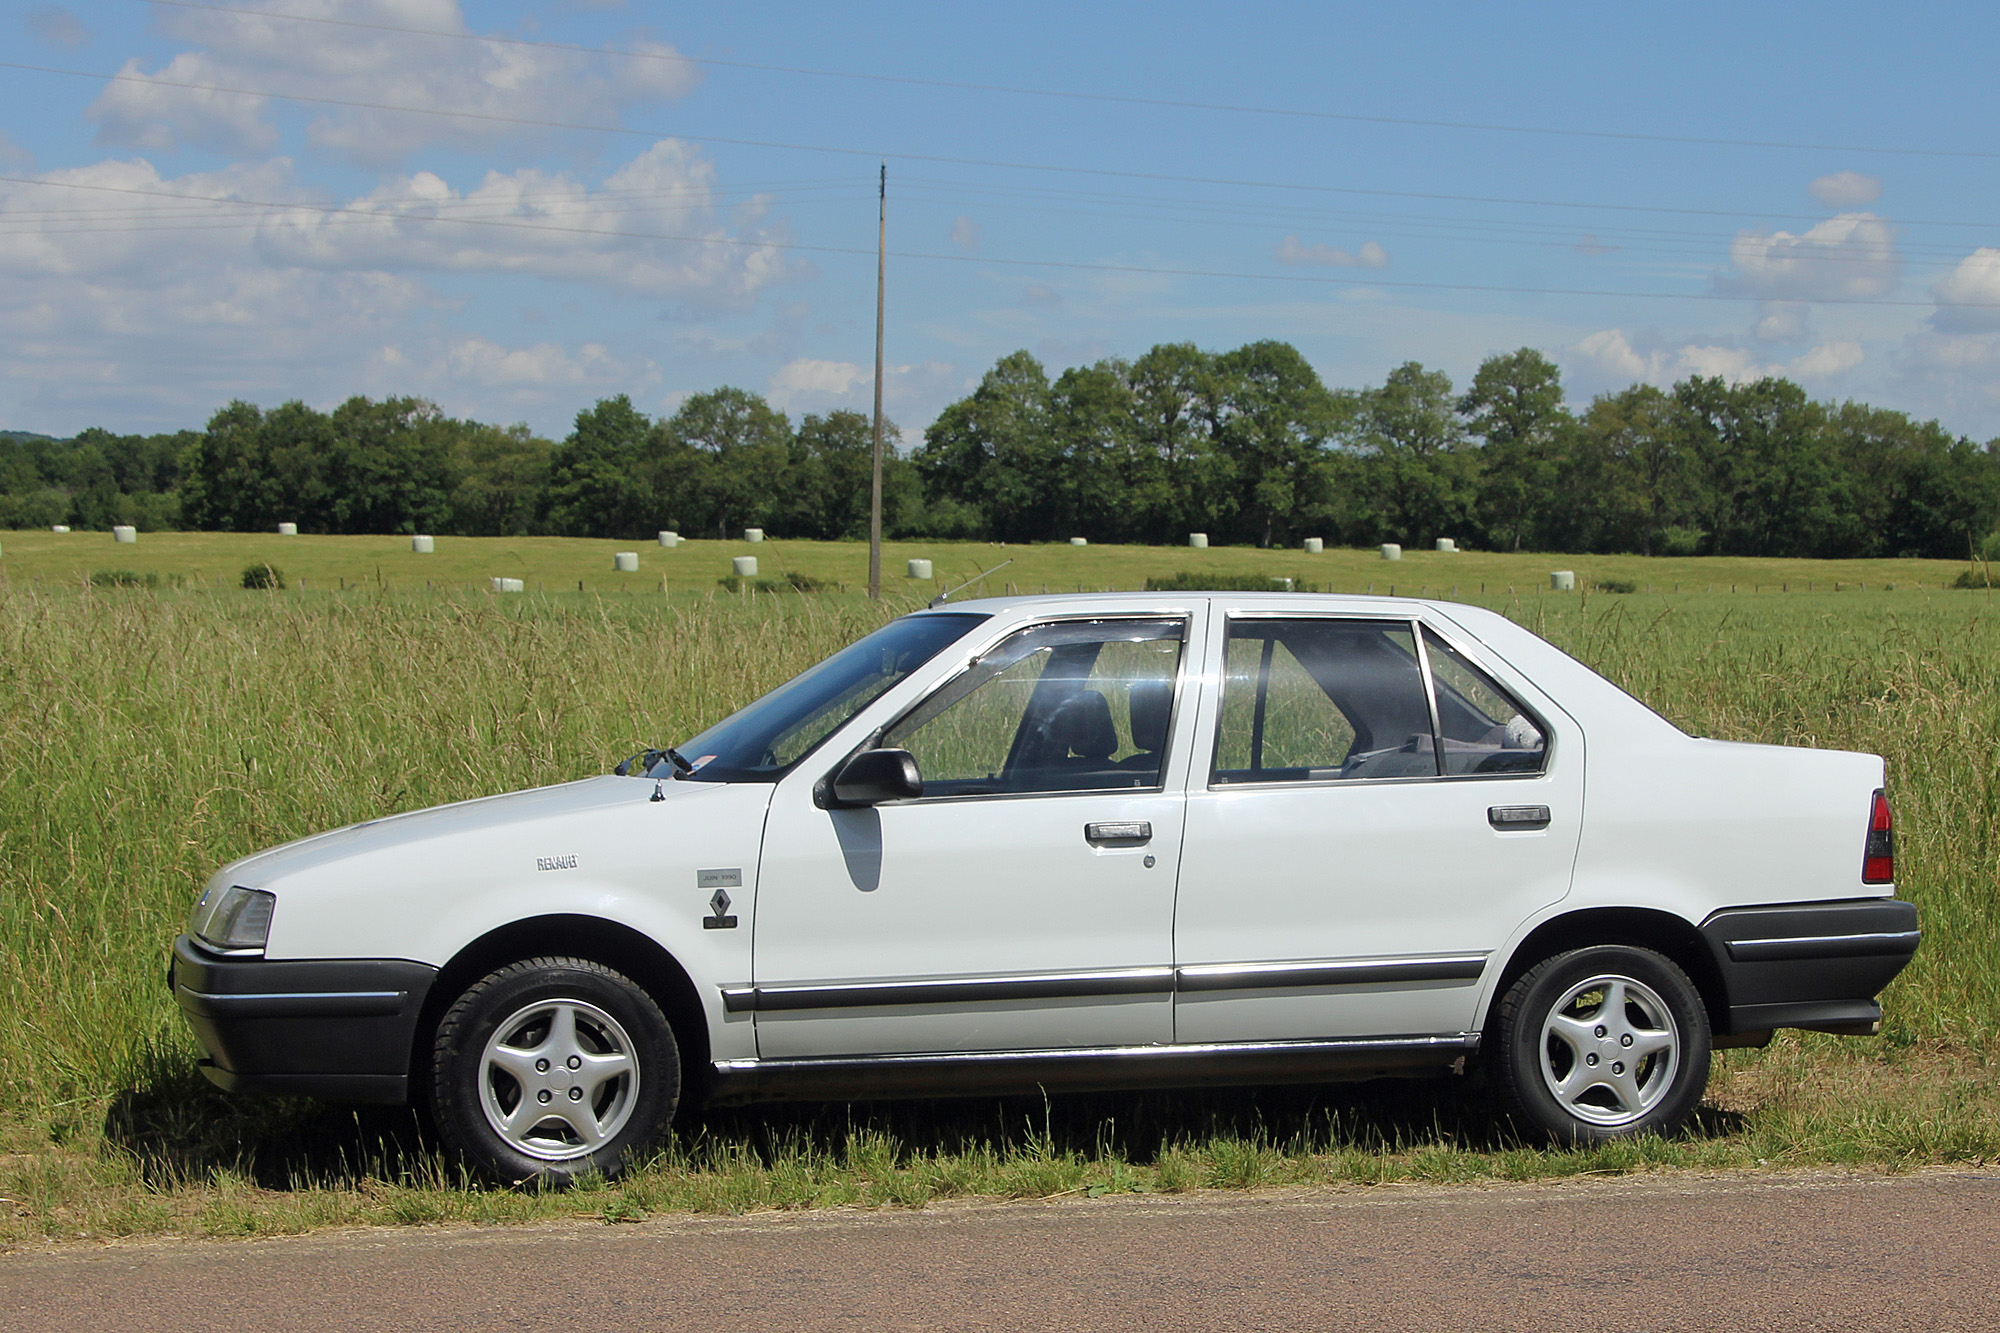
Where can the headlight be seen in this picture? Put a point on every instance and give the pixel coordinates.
(234, 920)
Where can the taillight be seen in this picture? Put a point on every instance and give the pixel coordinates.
(1878, 857)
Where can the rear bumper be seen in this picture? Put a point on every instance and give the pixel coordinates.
(1810, 965)
(338, 1028)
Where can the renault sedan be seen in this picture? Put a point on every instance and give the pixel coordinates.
(1104, 841)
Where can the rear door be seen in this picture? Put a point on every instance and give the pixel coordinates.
(1378, 813)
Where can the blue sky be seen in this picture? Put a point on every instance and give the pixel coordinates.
(659, 199)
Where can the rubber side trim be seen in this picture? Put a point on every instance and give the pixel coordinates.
(1810, 965)
(957, 1074)
(323, 1027)
(366, 1089)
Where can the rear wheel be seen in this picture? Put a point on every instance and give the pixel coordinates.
(551, 1068)
(1604, 1043)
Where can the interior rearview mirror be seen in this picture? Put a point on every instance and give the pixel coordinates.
(874, 776)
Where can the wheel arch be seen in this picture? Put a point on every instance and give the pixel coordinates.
(620, 947)
(1639, 927)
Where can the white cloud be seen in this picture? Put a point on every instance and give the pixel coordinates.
(485, 364)
(651, 228)
(1590, 247)
(1609, 351)
(817, 380)
(1827, 361)
(1781, 322)
(1955, 376)
(1968, 298)
(1040, 293)
(57, 26)
(1608, 359)
(811, 385)
(1371, 255)
(153, 116)
(1846, 189)
(1849, 257)
(13, 156)
(965, 234)
(505, 84)
(119, 305)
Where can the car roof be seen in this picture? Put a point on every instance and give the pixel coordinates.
(1091, 601)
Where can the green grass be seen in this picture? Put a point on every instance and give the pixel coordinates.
(151, 734)
(556, 564)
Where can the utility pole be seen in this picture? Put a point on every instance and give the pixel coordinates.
(875, 480)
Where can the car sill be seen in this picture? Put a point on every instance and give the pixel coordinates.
(956, 1073)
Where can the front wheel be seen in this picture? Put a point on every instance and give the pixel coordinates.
(553, 1067)
(1604, 1043)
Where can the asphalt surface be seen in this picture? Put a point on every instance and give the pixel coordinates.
(1741, 1253)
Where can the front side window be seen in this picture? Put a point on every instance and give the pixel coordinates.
(1318, 700)
(1072, 706)
(1481, 728)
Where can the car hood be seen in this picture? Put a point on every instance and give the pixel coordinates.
(515, 814)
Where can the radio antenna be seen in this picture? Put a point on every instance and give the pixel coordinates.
(945, 596)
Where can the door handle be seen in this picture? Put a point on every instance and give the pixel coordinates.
(1508, 818)
(1129, 834)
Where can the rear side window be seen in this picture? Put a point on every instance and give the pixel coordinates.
(1481, 729)
(1319, 700)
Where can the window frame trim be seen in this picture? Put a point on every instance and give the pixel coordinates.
(1418, 626)
(1185, 618)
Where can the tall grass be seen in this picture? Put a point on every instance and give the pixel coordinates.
(148, 736)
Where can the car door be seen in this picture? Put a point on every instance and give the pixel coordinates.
(1380, 812)
(1025, 901)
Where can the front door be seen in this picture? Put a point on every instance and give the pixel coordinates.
(1379, 814)
(1025, 902)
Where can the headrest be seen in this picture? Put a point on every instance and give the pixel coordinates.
(1152, 703)
(1082, 726)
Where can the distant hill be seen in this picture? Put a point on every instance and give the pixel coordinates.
(24, 436)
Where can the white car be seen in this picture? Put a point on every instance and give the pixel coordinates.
(1105, 841)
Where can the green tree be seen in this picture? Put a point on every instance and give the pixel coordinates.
(594, 487)
(389, 468)
(498, 479)
(742, 445)
(995, 452)
(1515, 403)
(1758, 465)
(828, 480)
(1276, 420)
(1415, 461)
(1177, 405)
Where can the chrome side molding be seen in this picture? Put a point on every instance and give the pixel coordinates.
(783, 996)
(1333, 972)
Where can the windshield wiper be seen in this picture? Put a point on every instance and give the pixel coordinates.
(647, 758)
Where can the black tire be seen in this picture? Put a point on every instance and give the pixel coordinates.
(1582, 1073)
(551, 1068)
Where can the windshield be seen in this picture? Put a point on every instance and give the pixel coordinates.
(761, 742)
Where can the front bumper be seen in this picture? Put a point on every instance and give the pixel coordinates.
(1810, 965)
(337, 1028)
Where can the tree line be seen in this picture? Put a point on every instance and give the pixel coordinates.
(1248, 446)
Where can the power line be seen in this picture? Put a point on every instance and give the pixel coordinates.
(990, 261)
(1159, 177)
(1485, 127)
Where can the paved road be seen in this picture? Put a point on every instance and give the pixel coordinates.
(1619, 1256)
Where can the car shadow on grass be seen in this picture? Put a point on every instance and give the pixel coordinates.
(179, 1130)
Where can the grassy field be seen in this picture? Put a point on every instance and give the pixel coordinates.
(563, 564)
(152, 735)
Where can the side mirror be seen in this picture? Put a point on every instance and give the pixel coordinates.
(874, 776)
